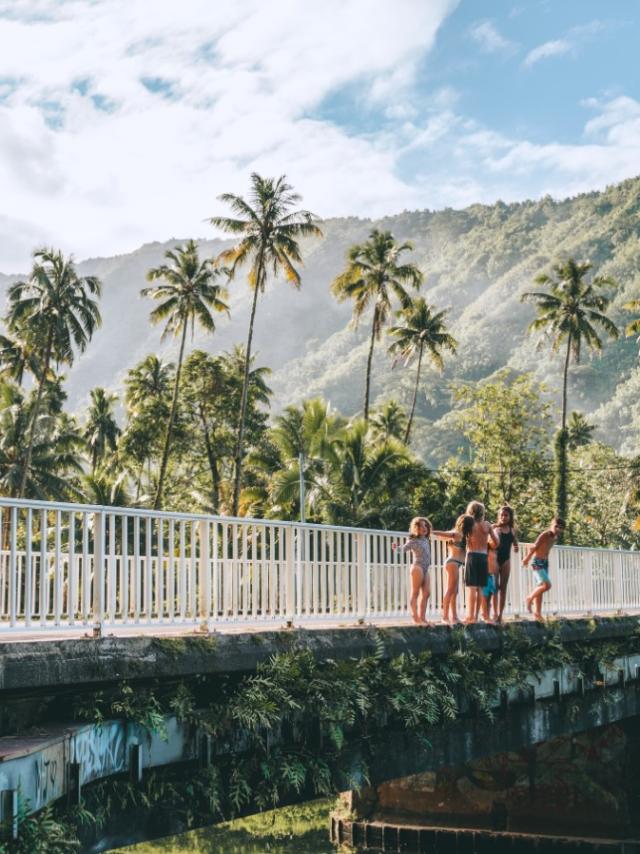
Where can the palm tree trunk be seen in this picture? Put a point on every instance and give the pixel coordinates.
(245, 390)
(174, 405)
(213, 463)
(561, 484)
(367, 385)
(34, 416)
(415, 396)
(565, 383)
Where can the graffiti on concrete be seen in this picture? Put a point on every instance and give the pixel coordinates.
(100, 751)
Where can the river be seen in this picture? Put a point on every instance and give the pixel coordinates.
(302, 829)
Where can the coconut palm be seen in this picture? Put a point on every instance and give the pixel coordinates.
(311, 432)
(55, 449)
(52, 314)
(373, 277)
(422, 330)
(390, 420)
(17, 356)
(571, 311)
(101, 430)
(188, 293)
(580, 431)
(269, 227)
(151, 379)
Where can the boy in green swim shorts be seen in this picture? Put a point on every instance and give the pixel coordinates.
(539, 551)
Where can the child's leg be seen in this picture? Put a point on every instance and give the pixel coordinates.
(472, 604)
(424, 598)
(449, 598)
(417, 577)
(483, 603)
(534, 599)
(505, 572)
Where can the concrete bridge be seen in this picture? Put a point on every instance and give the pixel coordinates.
(64, 757)
(94, 596)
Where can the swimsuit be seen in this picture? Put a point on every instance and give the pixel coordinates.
(504, 548)
(490, 587)
(476, 569)
(462, 545)
(540, 566)
(420, 549)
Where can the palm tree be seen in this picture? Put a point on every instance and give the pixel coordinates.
(188, 294)
(373, 276)
(52, 313)
(55, 449)
(580, 431)
(389, 420)
(101, 430)
(17, 356)
(269, 227)
(570, 310)
(423, 329)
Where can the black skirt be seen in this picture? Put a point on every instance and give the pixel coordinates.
(476, 569)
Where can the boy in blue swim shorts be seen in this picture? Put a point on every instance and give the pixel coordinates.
(539, 551)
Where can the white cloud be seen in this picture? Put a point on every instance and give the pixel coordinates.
(485, 34)
(99, 162)
(559, 47)
(567, 45)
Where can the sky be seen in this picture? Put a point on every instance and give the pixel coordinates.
(121, 121)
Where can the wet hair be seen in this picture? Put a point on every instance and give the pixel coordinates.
(475, 509)
(464, 526)
(560, 522)
(413, 527)
(507, 509)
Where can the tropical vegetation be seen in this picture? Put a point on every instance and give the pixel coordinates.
(201, 428)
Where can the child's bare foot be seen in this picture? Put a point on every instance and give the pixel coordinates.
(539, 618)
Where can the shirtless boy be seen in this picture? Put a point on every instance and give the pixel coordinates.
(476, 569)
(539, 551)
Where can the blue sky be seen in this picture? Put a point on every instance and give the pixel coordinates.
(120, 126)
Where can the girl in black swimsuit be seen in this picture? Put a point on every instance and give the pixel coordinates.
(505, 530)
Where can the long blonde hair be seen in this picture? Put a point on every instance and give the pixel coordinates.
(476, 509)
(413, 527)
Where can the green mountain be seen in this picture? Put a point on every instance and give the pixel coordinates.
(477, 261)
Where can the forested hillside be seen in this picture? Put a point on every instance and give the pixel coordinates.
(477, 263)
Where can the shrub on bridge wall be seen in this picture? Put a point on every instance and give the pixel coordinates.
(288, 731)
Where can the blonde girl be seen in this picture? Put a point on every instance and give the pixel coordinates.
(418, 544)
(456, 547)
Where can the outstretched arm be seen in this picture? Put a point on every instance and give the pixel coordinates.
(443, 535)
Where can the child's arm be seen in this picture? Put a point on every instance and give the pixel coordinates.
(492, 535)
(443, 535)
(533, 549)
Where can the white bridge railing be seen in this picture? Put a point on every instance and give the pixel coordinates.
(76, 565)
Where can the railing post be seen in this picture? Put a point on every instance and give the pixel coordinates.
(290, 574)
(588, 565)
(516, 586)
(617, 581)
(98, 573)
(362, 576)
(204, 573)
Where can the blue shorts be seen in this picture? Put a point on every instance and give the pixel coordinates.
(540, 568)
(490, 587)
